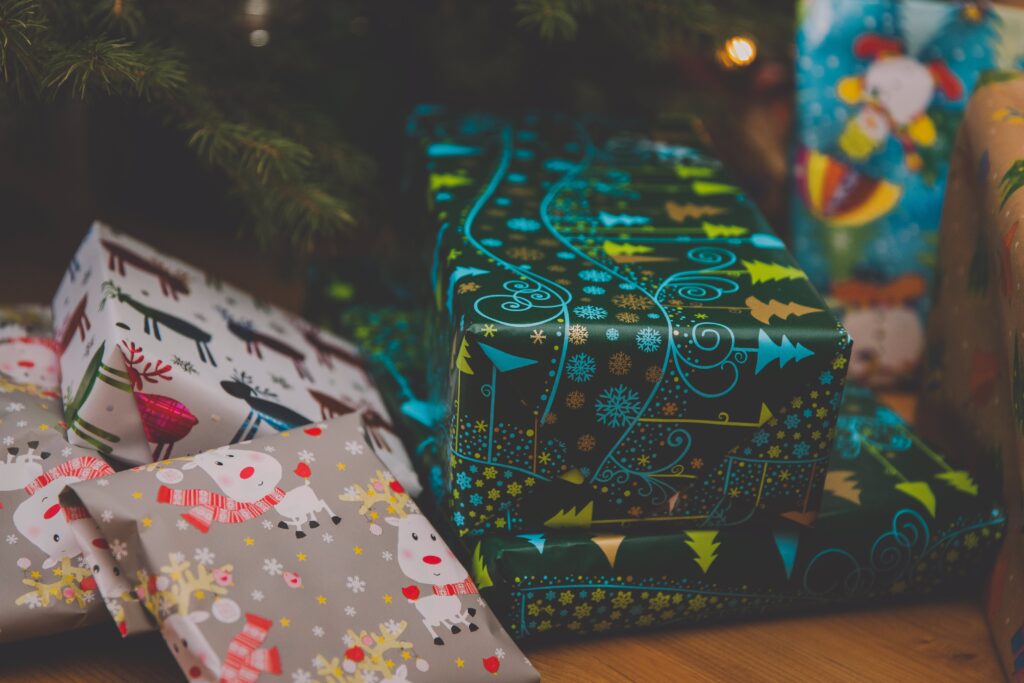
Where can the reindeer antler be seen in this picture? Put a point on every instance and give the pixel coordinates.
(244, 378)
(184, 583)
(383, 488)
(109, 291)
(150, 372)
(372, 647)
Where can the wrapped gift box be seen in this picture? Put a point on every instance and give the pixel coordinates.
(159, 358)
(897, 520)
(974, 386)
(46, 586)
(881, 89)
(296, 556)
(621, 339)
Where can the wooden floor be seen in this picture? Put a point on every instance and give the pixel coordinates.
(941, 641)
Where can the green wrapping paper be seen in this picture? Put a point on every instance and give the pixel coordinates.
(896, 520)
(621, 339)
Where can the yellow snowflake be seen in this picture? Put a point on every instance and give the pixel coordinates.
(634, 302)
(578, 334)
(620, 363)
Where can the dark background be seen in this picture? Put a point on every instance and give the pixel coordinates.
(361, 66)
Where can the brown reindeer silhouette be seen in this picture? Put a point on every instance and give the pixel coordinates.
(170, 283)
(326, 351)
(254, 340)
(78, 321)
(375, 422)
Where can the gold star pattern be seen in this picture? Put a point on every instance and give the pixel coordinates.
(301, 557)
(321, 599)
(460, 662)
(147, 522)
(357, 550)
(249, 540)
(285, 622)
(137, 495)
(387, 598)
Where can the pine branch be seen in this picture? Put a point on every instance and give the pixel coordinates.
(21, 23)
(267, 154)
(114, 67)
(554, 19)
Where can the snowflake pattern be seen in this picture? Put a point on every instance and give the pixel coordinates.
(204, 556)
(272, 566)
(578, 335)
(617, 405)
(589, 312)
(633, 302)
(648, 339)
(523, 224)
(355, 584)
(119, 549)
(620, 363)
(580, 367)
(593, 275)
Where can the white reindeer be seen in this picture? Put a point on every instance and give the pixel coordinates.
(425, 558)
(191, 649)
(300, 506)
(18, 471)
(249, 481)
(40, 517)
(97, 554)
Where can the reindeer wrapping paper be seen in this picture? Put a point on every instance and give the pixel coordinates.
(357, 587)
(973, 394)
(47, 585)
(881, 89)
(160, 359)
(897, 521)
(622, 340)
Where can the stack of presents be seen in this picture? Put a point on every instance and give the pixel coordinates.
(628, 403)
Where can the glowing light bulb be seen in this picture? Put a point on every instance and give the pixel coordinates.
(259, 38)
(737, 52)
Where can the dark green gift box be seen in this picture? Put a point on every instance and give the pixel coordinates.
(896, 520)
(621, 341)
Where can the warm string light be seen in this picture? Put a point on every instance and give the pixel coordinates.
(737, 52)
(256, 12)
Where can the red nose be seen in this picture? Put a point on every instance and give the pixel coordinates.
(88, 584)
(26, 364)
(432, 559)
(195, 672)
(247, 472)
(51, 511)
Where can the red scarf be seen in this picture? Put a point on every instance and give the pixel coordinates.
(83, 467)
(209, 507)
(466, 587)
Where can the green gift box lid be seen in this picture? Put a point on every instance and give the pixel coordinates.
(620, 341)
